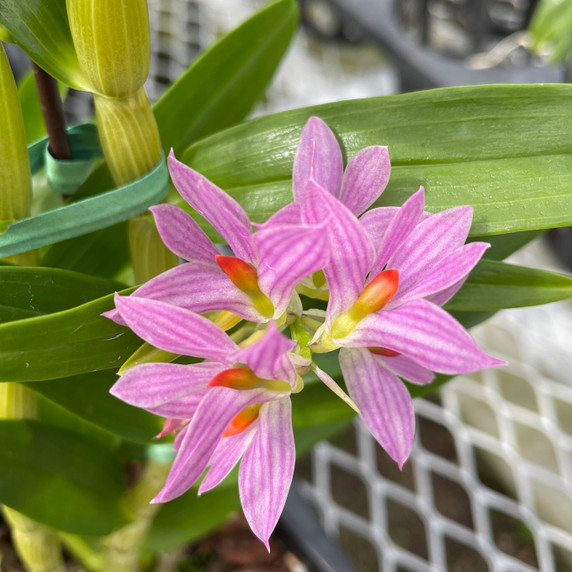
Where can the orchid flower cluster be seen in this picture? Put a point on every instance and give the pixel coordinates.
(384, 274)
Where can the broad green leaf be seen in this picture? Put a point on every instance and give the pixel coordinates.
(190, 517)
(28, 292)
(52, 476)
(41, 29)
(503, 245)
(87, 395)
(51, 413)
(65, 343)
(496, 285)
(551, 29)
(222, 86)
(104, 252)
(505, 150)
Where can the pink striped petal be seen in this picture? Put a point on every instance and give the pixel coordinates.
(290, 214)
(384, 402)
(227, 453)
(454, 268)
(217, 409)
(365, 178)
(425, 333)
(318, 158)
(268, 358)
(183, 407)
(376, 222)
(151, 384)
(267, 468)
(220, 209)
(351, 251)
(430, 241)
(201, 288)
(407, 369)
(287, 254)
(182, 235)
(400, 227)
(175, 329)
(442, 297)
(171, 426)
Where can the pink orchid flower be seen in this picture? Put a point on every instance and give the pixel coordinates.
(387, 276)
(256, 283)
(235, 406)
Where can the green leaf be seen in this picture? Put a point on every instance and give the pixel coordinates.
(191, 517)
(550, 29)
(496, 285)
(52, 476)
(505, 150)
(65, 343)
(222, 86)
(41, 29)
(87, 395)
(503, 245)
(28, 292)
(104, 252)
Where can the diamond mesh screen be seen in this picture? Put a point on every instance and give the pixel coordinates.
(489, 483)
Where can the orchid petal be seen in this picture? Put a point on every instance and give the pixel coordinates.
(376, 222)
(351, 254)
(331, 384)
(425, 333)
(227, 453)
(430, 241)
(443, 296)
(287, 254)
(174, 329)
(183, 407)
(182, 235)
(407, 369)
(385, 404)
(401, 226)
(172, 426)
(365, 178)
(267, 468)
(200, 288)
(217, 409)
(151, 384)
(268, 357)
(318, 158)
(454, 268)
(289, 214)
(219, 208)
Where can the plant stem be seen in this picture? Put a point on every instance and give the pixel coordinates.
(53, 113)
(123, 547)
(37, 546)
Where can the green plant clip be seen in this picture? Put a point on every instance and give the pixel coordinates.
(87, 215)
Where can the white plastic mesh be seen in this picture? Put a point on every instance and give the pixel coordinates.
(489, 482)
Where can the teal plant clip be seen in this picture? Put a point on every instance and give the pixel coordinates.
(89, 214)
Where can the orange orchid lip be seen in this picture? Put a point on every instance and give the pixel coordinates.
(243, 420)
(245, 278)
(373, 298)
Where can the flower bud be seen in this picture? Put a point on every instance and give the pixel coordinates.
(112, 42)
(15, 177)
